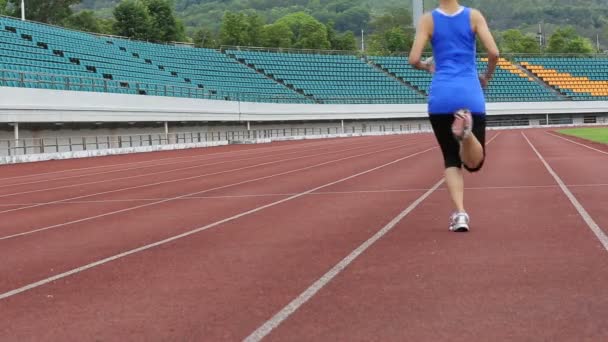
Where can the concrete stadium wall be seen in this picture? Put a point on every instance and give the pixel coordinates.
(41, 105)
(66, 124)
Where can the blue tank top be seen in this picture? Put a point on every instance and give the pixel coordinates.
(455, 83)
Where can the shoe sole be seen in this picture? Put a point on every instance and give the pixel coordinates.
(462, 131)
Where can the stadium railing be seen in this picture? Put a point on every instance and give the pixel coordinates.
(56, 144)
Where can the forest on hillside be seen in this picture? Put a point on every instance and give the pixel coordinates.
(589, 17)
(321, 24)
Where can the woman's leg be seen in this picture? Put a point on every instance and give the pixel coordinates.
(450, 148)
(455, 183)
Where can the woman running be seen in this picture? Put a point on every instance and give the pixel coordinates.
(456, 100)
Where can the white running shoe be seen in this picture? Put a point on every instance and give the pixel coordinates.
(459, 222)
(463, 124)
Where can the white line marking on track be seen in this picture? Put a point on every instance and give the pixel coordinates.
(123, 178)
(198, 192)
(295, 304)
(599, 233)
(263, 149)
(157, 173)
(577, 143)
(259, 152)
(179, 179)
(355, 192)
(203, 228)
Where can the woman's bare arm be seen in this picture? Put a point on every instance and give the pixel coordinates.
(423, 34)
(482, 30)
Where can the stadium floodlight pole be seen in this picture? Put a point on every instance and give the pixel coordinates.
(541, 37)
(362, 41)
(417, 11)
(23, 10)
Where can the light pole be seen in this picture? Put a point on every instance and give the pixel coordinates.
(23, 10)
(417, 11)
(541, 36)
(362, 41)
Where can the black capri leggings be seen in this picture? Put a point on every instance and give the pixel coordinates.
(450, 147)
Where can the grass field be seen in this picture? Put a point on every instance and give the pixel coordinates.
(597, 134)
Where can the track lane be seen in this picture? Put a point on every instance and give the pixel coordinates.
(91, 239)
(577, 164)
(218, 284)
(24, 172)
(529, 269)
(41, 183)
(71, 186)
(50, 216)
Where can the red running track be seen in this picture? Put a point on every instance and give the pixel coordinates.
(213, 244)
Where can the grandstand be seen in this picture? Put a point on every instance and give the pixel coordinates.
(331, 78)
(41, 56)
(237, 85)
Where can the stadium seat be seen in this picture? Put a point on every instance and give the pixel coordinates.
(578, 78)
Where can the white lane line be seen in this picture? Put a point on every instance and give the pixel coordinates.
(143, 175)
(157, 172)
(262, 149)
(599, 233)
(199, 192)
(200, 229)
(180, 179)
(256, 153)
(356, 192)
(295, 304)
(577, 143)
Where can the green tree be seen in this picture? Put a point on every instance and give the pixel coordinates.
(255, 27)
(4, 8)
(308, 33)
(84, 21)
(204, 38)
(234, 29)
(46, 11)
(133, 20)
(277, 35)
(398, 40)
(165, 26)
(353, 19)
(394, 17)
(345, 41)
(566, 40)
(514, 41)
(393, 40)
(106, 25)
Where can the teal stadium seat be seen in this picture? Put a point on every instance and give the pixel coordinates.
(333, 79)
(41, 56)
(506, 85)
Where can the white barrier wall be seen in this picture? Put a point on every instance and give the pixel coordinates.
(65, 131)
(41, 105)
